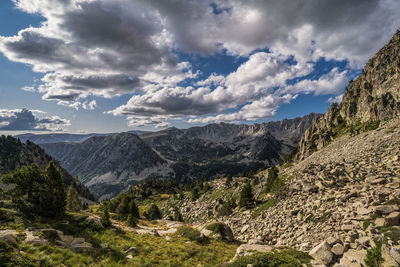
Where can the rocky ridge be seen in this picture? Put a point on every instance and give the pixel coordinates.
(371, 98)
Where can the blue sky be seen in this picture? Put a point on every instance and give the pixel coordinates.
(108, 66)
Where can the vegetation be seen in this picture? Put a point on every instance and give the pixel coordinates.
(74, 202)
(374, 256)
(153, 213)
(227, 207)
(105, 218)
(246, 198)
(272, 176)
(283, 258)
(191, 234)
(37, 191)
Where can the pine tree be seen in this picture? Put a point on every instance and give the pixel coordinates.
(74, 202)
(131, 221)
(123, 208)
(246, 196)
(153, 213)
(105, 218)
(57, 197)
(177, 215)
(134, 209)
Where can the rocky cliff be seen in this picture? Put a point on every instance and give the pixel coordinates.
(372, 98)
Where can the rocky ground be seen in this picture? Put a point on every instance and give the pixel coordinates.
(336, 204)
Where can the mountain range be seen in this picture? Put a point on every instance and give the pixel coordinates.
(109, 164)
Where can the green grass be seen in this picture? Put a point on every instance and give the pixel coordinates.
(263, 207)
(392, 233)
(283, 258)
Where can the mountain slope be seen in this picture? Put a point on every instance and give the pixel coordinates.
(14, 154)
(371, 98)
(109, 164)
(106, 164)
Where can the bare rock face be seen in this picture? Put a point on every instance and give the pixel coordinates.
(371, 98)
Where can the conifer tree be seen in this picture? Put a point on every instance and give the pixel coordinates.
(134, 210)
(105, 218)
(131, 221)
(74, 202)
(246, 196)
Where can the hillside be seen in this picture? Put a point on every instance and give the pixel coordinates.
(15, 154)
(108, 165)
(372, 98)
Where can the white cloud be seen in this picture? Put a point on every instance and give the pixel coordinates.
(111, 48)
(33, 120)
(336, 99)
(89, 105)
(28, 88)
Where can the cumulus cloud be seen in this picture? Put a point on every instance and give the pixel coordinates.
(110, 48)
(32, 120)
(335, 99)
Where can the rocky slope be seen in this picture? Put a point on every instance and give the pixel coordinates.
(109, 164)
(15, 154)
(371, 98)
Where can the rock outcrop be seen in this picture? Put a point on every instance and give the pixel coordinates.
(372, 98)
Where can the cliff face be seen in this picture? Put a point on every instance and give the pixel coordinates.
(372, 98)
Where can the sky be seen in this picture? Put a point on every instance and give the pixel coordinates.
(116, 65)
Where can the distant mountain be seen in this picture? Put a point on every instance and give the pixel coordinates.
(15, 154)
(110, 164)
(63, 137)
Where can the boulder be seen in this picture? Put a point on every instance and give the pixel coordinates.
(322, 253)
(393, 218)
(385, 209)
(353, 258)
(9, 236)
(395, 253)
(338, 249)
(247, 249)
(220, 231)
(380, 222)
(388, 260)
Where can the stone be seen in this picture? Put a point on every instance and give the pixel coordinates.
(254, 241)
(348, 227)
(322, 253)
(81, 247)
(338, 249)
(247, 249)
(131, 250)
(35, 239)
(9, 236)
(388, 260)
(385, 209)
(244, 228)
(206, 232)
(395, 253)
(380, 222)
(393, 218)
(354, 258)
(363, 211)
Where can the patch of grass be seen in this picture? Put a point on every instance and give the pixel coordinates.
(392, 233)
(283, 258)
(263, 207)
(374, 255)
(191, 234)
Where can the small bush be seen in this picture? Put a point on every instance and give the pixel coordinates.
(226, 208)
(374, 256)
(284, 258)
(131, 221)
(191, 234)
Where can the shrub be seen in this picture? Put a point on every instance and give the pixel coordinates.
(153, 213)
(227, 207)
(177, 215)
(284, 258)
(191, 234)
(374, 256)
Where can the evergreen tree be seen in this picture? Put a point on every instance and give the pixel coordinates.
(105, 218)
(131, 221)
(246, 196)
(153, 213)
(74, 202)
(272, 177)
(123, 208)
(37, 191)
(228, 180)
(57, 196)
(134, 211)
(177, 215)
